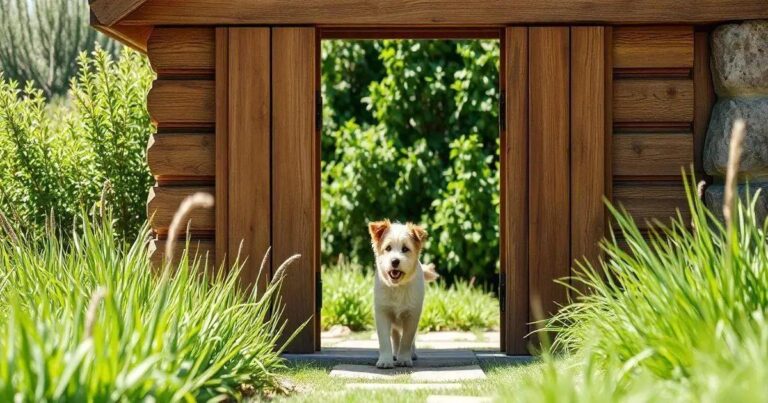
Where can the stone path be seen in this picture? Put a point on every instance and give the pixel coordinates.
(444, 374)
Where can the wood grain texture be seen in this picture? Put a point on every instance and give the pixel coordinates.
(587, 142)
(653, 47)
(609, 126)
(294, 174)
(704, 98)
(134, 36)
(164, 201)
(636, 100)
(249, 163)
(442, 12)
(182, 51)
(188, 155)
(182, 103)
(108, 12)
(222, 148)
(654, 154)
(650, 201)
(200, 249)
(549, 168)
(514, 192)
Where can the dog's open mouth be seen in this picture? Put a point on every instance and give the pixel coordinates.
(395, 275)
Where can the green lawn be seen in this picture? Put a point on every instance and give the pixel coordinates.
(313, 384)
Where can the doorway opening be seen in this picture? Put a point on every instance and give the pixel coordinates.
(411, 132)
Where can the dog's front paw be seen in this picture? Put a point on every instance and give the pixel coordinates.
(384, 363)
(404, 362)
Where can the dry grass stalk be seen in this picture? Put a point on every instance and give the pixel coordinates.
(280, 273)
(195, 201)
(93, 306)
(731, 176)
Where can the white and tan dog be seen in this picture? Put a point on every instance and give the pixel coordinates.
(399, 289)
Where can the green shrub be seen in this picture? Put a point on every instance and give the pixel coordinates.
(348, 301)
(56, 159)
(42, 38)
(466, 215)
(89, 320)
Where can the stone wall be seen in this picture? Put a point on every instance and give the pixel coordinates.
(740, 75)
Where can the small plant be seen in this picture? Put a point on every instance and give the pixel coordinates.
(88, 319)
(347, 297)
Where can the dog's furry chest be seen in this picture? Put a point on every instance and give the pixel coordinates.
(399, 301)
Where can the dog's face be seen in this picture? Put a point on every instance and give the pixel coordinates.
(397, 248)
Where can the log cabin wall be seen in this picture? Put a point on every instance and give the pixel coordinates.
(181, 155)
(661, 101)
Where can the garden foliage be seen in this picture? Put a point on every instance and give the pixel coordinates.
(40, 41)
(85, 318)
(411, 133)
(55, 159)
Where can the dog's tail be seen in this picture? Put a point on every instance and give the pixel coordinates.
(430, 274)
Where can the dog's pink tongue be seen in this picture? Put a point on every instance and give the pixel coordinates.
(395, 274)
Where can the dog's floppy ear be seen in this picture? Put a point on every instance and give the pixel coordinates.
(378, 229)
(417, 233)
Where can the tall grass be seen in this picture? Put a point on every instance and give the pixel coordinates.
(676, 315)
(85, 318)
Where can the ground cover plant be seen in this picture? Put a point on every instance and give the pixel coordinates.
(348, 301)
(85, 318)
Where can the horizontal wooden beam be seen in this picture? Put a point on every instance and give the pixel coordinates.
(108, 12)
(442, 12)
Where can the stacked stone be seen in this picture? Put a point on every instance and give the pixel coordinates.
(740, 70)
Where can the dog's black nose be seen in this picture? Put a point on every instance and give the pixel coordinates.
(395, 263)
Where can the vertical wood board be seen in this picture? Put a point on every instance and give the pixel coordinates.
(514, 192)
(549, 167)
(294, 175)
(249, 188)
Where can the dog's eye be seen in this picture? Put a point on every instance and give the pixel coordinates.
(405, 249)
(388, 248)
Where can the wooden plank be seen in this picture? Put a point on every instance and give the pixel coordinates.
(163, 202)
(182, 51)
(294, 174)
(202, 249)
(651, 201)
(134, 36)
(609, 126)
(549, 169)
(182, 103)
(108, 12)
(514, 192)
(187, 155)
(653, 47)
(222, 148)
(637, 100)
(704, 99)
(443, 12)
(587, 142)
(654, 154)
(248, 152)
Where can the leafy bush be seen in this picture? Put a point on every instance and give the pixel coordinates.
(466, 219)
(396, 159)
(57, 158)
(89, 320)
(41, 38)
(348, 301)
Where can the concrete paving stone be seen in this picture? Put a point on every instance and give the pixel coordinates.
(457, 399)
(446, 337)
(358, 344)
(351, 371)
(448, 374)
(369, 356)
(492, 336)
(403, 386)
(457, 345)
